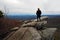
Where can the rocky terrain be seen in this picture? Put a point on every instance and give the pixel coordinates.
(6, 25)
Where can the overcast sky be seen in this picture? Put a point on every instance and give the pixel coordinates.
(29, 6)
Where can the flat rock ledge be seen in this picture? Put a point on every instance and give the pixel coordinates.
(30, 33)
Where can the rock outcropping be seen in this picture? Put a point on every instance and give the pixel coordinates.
(28, 31)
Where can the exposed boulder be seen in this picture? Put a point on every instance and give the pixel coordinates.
(48, 33)
(37, 25)
(42, 19)
(15, 28)
(31, 24)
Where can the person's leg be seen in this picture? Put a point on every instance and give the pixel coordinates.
(37, 18)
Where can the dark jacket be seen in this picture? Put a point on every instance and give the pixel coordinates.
(38, 13)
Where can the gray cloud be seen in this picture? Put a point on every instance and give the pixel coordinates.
(53, 5)
(29, 6)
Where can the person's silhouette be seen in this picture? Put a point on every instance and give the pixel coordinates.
(38, 13)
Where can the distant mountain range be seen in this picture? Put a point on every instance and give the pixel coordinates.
(29, 17)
